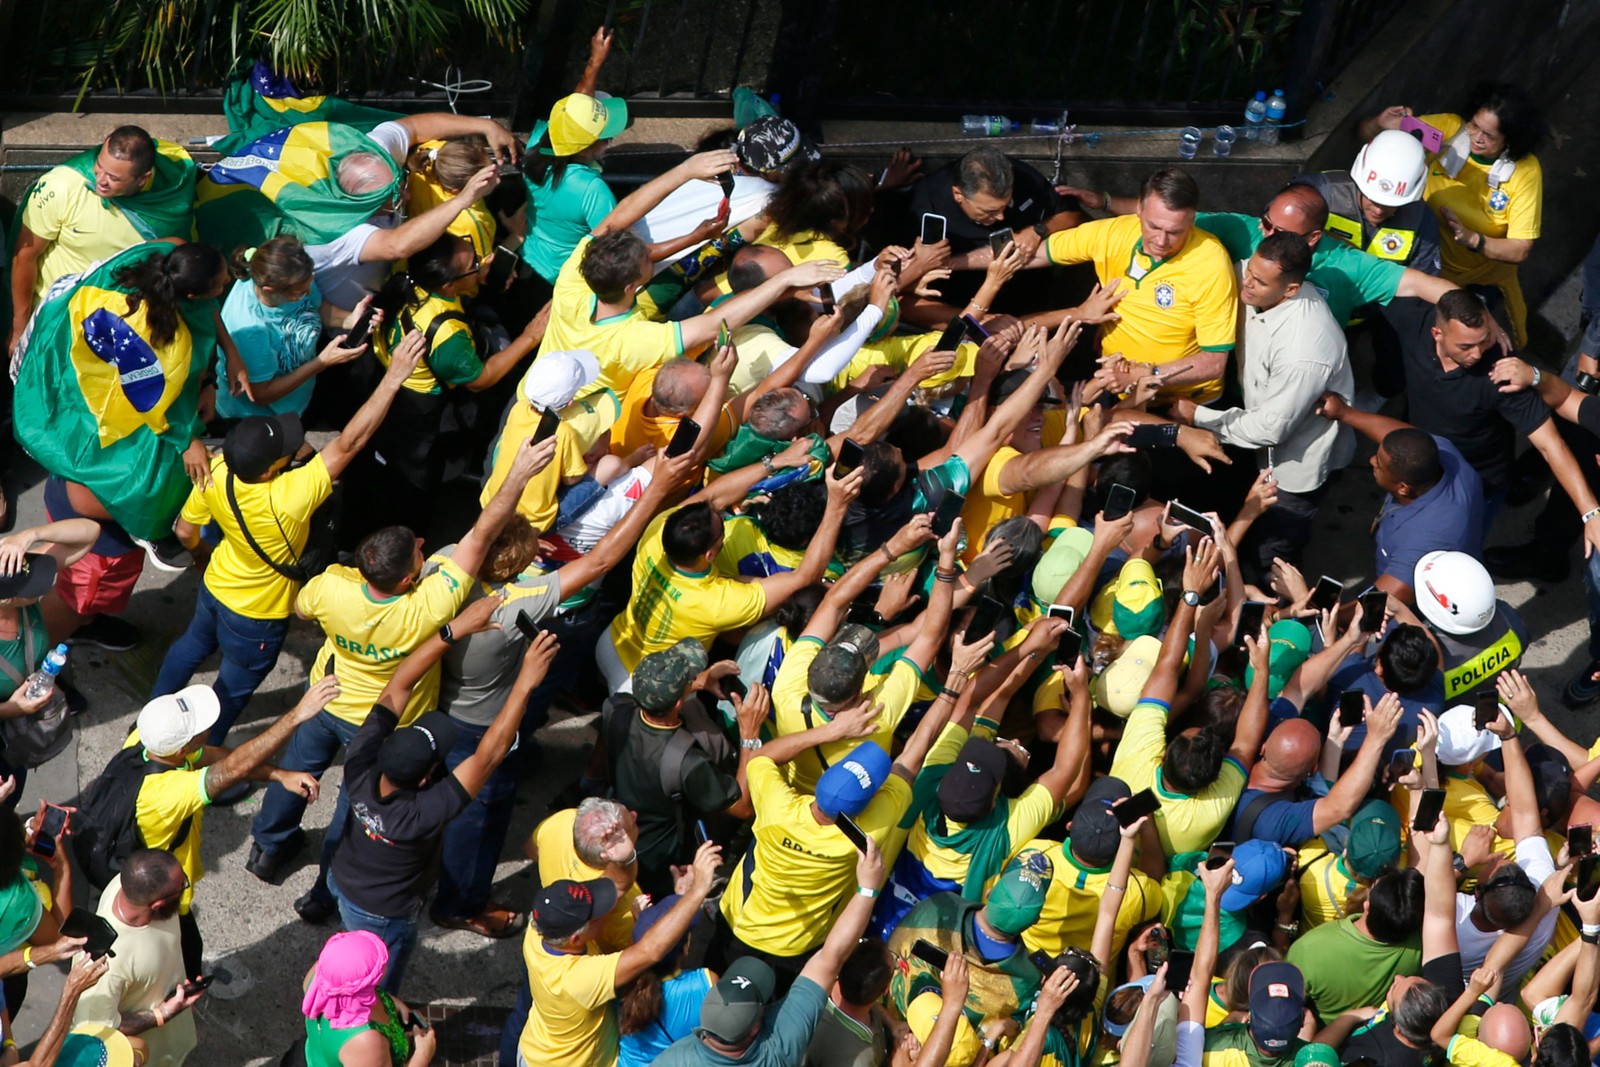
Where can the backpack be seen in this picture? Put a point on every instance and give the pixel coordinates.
(697, 730)
(105, 829)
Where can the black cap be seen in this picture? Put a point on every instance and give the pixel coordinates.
(32, 578)
(1095, 833)
(408, 754)
(967, 792)
(257, 442)
(563, 908)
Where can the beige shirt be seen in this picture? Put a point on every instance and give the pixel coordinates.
(147, 965)
(1288, 356)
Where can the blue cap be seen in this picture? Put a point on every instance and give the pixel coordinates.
(848, 786)
(1259, 867)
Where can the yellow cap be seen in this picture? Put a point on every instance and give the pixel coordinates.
(923, 1012)
(578, 121)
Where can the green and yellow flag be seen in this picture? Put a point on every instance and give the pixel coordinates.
(259, 100)
(100, 404)
(286, 182)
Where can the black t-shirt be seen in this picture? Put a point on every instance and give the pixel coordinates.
(1379, 1042)
(1464, 405)
(1033, 199)
(388, 847)
(1589, 412)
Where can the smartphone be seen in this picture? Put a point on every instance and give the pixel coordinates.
(1432, 137)
(1216, 863)
(1252, 613)
(1429, 807)
(195, 985)
(1153, 435)
(933, 227)
(1588, 876)
(953, 335)
(1184, 515)
(1062, 611)
(948, 511)
(1145, 802)
(725, 179)
(850, 456)
(47, 827)
(1487, 709)
(527, 626)
(926, 950)
(975, 328)
(1352, 707)
(1179, 966)
(1580, 840)
(683, 438)
(100, 934)
(1069, 647)
(1373, 604)
(1044, 961)
(1220, 850)
(700, 834)
(548, 421)
(361, 332)
(985, 617)
(1119, 501)
(419, 1021)
(502, 265)
(1401, 764)
(327, 668)
(852, 832)
(825, 291)
(735, 687)
(1325, 597)
(999, 241)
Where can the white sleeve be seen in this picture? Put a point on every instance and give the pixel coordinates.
(860, 277)
(344, 250)
(395, 139)
(1533, 856)
(1191, 1044)
(837, 353)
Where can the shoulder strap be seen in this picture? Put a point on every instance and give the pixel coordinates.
(295, 572)
(807, 712)
(1246, 821)
(435, 324)
(678, 746)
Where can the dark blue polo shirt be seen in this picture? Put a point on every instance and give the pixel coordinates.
(1447, 518)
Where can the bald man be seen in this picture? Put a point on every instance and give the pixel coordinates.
(1277, 805)
(658, 399)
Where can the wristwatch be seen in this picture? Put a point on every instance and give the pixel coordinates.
(1041, 229)
(752, 743)
(1191, 598)
(445, 635)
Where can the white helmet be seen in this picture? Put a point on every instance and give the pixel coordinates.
(1391, 169)
(1454, 592)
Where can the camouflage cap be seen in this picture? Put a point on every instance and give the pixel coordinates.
(662, 678)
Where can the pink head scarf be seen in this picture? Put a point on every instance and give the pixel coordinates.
(345, 986)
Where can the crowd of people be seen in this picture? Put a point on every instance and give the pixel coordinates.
(931, 543)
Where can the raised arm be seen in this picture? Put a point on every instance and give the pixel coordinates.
(1115, 891)
(830, 614)
(1439, 891)
(934, 622)
(474, 771)
(671, 927)
(1521, 799)
(1251, 728)
(1354, 784)
(240, 762)
(530, 460)
(447, 125)
(1072, 748)
(474, 618)
(780, 587)
(1372, 426)
(671, 473)
(639, 203)
(364, 423)
(1207, 945)
(742, 307)
(965, 660)
(1518, 695)
(823, 968)
(1201, 563)
(415, 234)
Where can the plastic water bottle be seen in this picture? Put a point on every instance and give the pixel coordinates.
(1255, 116)
(42, 681)
(987, 125)
(1277, 107)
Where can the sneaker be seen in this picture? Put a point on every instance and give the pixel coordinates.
(1582, 690)
(108, 632)
(167, 553)
(314, 909)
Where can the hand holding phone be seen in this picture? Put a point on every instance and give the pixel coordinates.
(952, 337)
(852, 832)
(931, 954)
(683, 438)
(1325, 597)
(946, 514)
(1069, 647)
(1352, 708)
(1580, 840)
(47, 827)
(549, 422)
(985, 617)
(1145, 802)
(100, 935)
(825, 291)
(1252, 613)
(1486, 709)
(850, 457)
(933, 228)
(999, 241)
(1429, 807)
(1374, 603)
(1432, 137)
(1154, 435)
(1183, 515)
(1119, 501)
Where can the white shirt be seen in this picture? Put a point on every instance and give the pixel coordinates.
(340, 274)
(1288, 356)
(1533, 856)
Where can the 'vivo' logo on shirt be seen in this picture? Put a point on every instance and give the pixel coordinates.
(138, 369)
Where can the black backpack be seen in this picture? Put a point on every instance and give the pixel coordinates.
(105, 830)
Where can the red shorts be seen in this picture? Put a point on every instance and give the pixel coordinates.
(100, 585)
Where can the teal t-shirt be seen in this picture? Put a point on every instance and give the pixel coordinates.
(272, 341)
(1346, 277)
(562, 214)
(14, 652)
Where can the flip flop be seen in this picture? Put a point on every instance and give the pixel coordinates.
(494, 923)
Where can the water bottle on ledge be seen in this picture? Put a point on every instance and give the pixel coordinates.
(987, 126)
(1255, 116)
(1277, 108)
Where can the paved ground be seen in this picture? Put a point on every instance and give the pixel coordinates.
(251, 930)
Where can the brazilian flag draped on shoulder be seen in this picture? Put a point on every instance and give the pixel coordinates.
(285, 182)
(98, 403)
(164, 209)
(259, 100)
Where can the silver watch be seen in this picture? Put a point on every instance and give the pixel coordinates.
(1191, 598)
(752, 743)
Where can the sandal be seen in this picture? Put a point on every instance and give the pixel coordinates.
(494, 923)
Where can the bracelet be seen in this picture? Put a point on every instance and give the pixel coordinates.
(890, 556)
(161, 1016)
(752, 743)
(766, 461)
(864, 891)
(945, 576)
(975, 304)
(946, 691)
(1591, 513)
(1293, 928)
(1107, 197)
(981, 723)
(1589, 939)
(1482, 240)
(1591, 928)
(1118, 888)
(1538, 376)
(27, 957)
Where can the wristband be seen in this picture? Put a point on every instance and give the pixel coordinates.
(1118, 888)
(890, 556)
(981, 723)
(1591, 513)
(752, 743)
(27, 957)
(1592, 929)
(1589, 939)
(975, 304)
(864, 891)
(766, 461)
(160, 1016)
(1538, 376)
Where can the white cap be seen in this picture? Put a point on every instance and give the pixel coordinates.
(556, 377)
(166, 724)
(1454, 592)
(1460, 741)
(1391, 169)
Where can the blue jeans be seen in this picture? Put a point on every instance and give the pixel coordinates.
(311, 747)
(511, 1036)
(577, 499)
(249, 649)
(399, 933)
(474, 838)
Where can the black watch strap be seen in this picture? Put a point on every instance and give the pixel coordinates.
(446, 635)
(1041, 229)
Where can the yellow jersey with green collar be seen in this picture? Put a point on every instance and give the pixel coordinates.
(1185, 822)
(538, 502)
(1072, 903)
(474, 223)
(165, 801)
(1173, 308)
(368, 635)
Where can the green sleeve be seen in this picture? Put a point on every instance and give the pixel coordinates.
(455, 361)
(1238, 233)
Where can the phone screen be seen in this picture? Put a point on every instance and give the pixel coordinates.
(825, 290)
(985, 617)
(1401, 764)
(1062, 611)
(723, 336)
(1069, 647)
(929, 953)
(1187, 516)
(952, 336)
(526, 626)
(701, 836)
(1487, 709)
(1327, 593)
(734, 687)
(52, 820)
(683, 438)
(101, 935)
(949, 510)
(1145, 802)
(1580, 840)
(1373, 606)
(1179, 966)
(932, 228)
(1044, 961)
(501, 266)
(999, 241)
(1588, 876)
(1352, 707)
(1119, 501)
(1252, 613)
(847, 827)
(1429, 807)
(1154, 435)
(549, 421)
(850, 455)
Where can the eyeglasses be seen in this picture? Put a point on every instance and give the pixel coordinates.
(477, 264)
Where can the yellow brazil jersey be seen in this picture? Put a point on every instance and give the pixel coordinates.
(1325, 884)
(801, 248)
(785, 895)
(1171, 308)
(1465, 1051)
(575, 1025)
(747, 552)
(899, 351)
(369, 634)
(622, 344)
(165, 801)
(792, 710)
(558, 860)
(1072, 903)
(476, 223)
(669, 604)
(987, 506)
(538, 503)
(278, 514)
(635, 429)
(1185, 823)
(452, 357)
(82, 226)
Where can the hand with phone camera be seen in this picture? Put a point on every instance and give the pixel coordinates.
(752, 709)
(1216, 879)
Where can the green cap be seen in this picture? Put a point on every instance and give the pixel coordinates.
(662, 678)
(1017, 899)
(1316, 1054)
(1060, 562)
(1289, 645)
(1189, 911)
(1374, 839)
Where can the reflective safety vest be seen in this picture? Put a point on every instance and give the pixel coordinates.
(1395, 240)
(439, 318)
